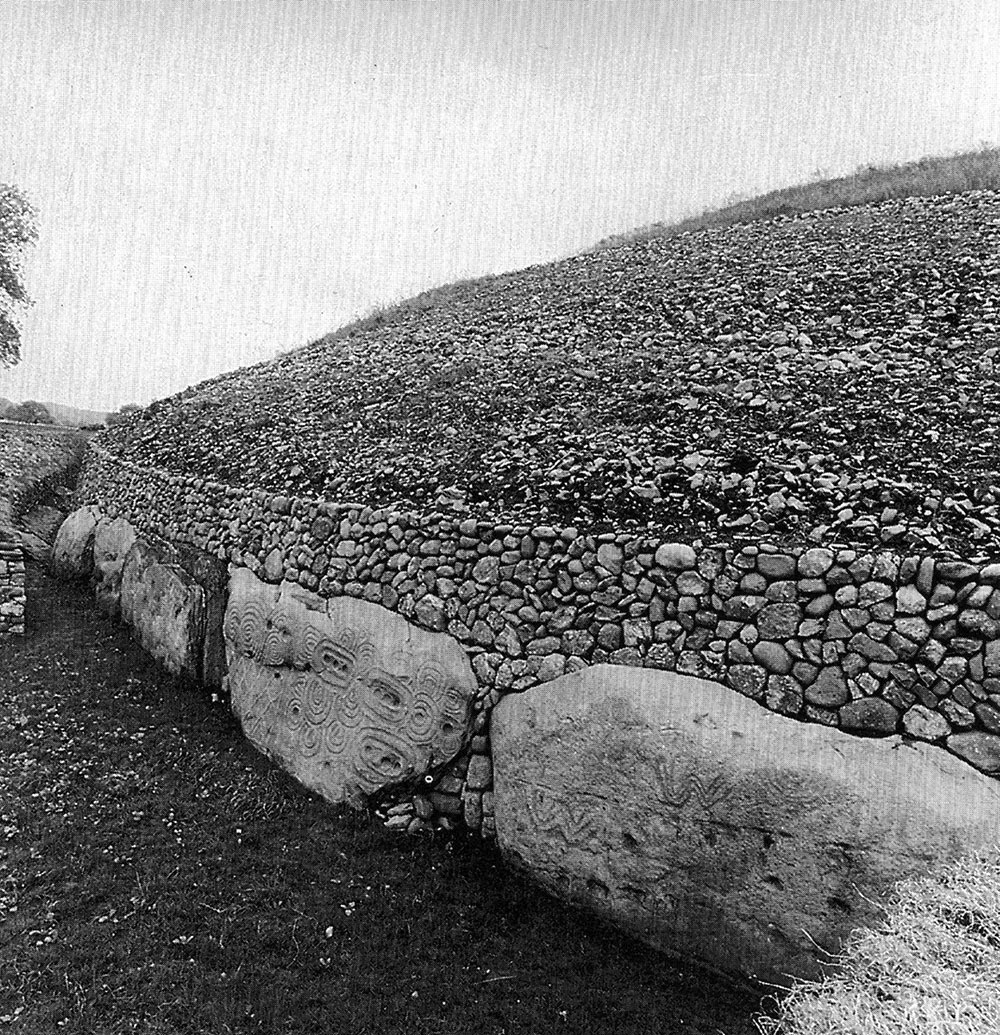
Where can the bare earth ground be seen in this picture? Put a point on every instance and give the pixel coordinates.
(157, 876)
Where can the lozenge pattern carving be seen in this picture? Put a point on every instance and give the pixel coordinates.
(350, 702)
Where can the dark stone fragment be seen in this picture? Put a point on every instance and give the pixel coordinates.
(870, 716)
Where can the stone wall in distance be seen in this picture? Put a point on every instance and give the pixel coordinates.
(11, 585)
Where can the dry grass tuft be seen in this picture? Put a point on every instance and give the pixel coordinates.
(931, 968)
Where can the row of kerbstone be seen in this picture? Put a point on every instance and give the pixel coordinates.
(12, 596)
(872, 642)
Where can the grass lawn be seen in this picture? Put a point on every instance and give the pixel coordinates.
(157, 876)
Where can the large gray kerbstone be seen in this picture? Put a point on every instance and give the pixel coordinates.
(348, 697)
(213, 576)
(112, 541)
(165, 607)
(73, 549)
(715, 829)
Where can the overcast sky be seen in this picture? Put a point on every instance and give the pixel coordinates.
(218, 181)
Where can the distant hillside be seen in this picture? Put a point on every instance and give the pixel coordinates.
(74, 417)
(927, 177)
(70, 416)
(833, 375)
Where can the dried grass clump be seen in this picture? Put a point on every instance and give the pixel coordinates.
(932, 967)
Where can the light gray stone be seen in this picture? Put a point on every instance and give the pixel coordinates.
(922, 723)
(35, 547)
(978, 748)
(112, 541)
(716, 830)
(346, 696)
(675, 556)
(165, 607)
(910, 601)
(815, 562)
(73, 549)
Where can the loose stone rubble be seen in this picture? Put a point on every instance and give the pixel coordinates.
(827, 377)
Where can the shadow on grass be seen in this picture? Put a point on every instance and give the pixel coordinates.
(161, 877)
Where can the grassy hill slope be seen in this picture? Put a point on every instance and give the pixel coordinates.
(927, 177)
(831, 375)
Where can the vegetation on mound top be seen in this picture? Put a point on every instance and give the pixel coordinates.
(927, 177)
(825, 376)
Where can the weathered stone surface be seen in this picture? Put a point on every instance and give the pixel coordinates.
(773, 657)
(112, 541)
(35, 547)
(213, 576)
(816, 562)
(776, 565)
(73, 549)
(348, 697)
(165, 607)
(869, 715)
(676, 556)
(714, 829)
(922, 723)
(910, 601)
(779, 621)
(978, 748)
(829, 689)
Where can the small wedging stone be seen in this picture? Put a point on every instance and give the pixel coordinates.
(715, 830)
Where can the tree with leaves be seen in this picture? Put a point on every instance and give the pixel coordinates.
(17, 230)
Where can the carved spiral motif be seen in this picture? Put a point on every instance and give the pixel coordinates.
(294, 709)
(388, 697)
(307, 638)
(384, 755)
(319, 700)
(276, 643)
(335, 739)
(350, 704)
(246, 624)
(422, 717)
(333, 661)
(310, 740)
(451, 733)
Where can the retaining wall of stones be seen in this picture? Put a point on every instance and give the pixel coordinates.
(11, 585)
(872, 641)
